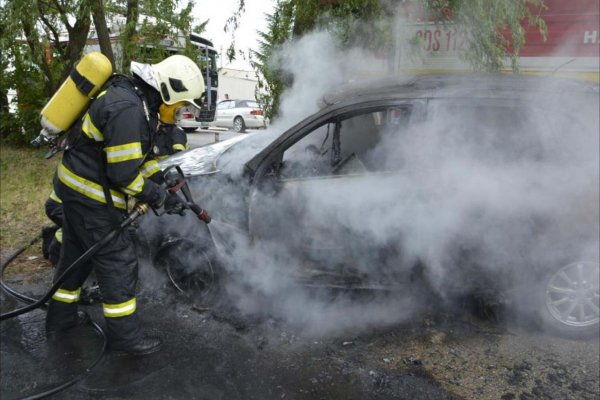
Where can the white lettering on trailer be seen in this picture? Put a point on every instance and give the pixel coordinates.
(590, 37)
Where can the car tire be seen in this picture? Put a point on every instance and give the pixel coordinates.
(568, 300)
(190, 267)
(189, 130)
(239, 125)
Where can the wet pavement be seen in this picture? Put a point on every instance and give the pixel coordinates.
(207, 354)
(212, 351)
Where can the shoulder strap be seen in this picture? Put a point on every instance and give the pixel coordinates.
(120, 78)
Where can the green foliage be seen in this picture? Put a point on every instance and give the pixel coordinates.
(27, 79)
(32, 30)
(494, 28)
(272, 79)
(292, 19)
(156, 37)
(20, 62)
(200, 27)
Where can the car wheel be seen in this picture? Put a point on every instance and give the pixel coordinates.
(239, 125)
(189, 266)
(189, 130)
(570, 299)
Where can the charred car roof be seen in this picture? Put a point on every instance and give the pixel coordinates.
(471, 86)
(423, 86)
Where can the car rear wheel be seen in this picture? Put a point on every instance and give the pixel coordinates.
(570, 303)
(239, 125)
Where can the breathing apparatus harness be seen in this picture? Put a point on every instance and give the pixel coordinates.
(67, 139)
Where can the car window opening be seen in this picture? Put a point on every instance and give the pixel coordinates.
(353, 142)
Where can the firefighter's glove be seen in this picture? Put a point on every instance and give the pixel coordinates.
(174, 204)
(158, 199)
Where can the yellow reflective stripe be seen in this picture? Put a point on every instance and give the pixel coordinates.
(119, 310)
(66, 296)
(123, 152)
(58, 235)
(135, 187)
(179, 147)
(118, 199)
(90, 129)
(55, 197)
(149, 168)
(101, 94)
(89, 188)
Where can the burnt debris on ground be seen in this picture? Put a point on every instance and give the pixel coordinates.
(214, 350)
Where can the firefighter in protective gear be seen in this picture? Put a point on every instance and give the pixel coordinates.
(110, 160)
(170, 138)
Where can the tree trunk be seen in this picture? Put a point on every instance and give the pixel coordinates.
(102, 30)
(78, 35)
(129, 32)
(38, 54)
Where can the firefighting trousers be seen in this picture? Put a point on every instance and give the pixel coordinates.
(115, 266)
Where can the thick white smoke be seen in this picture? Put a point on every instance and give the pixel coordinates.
(477, 204)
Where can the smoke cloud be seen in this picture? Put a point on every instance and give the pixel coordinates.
(478, 200)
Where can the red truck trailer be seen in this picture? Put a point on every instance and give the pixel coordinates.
(570, 49)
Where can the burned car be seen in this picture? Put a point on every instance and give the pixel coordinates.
(467, 183)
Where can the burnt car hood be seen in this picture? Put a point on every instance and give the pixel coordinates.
(228, 156)
(201, 160)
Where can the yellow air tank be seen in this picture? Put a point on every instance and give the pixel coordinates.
(74, 95)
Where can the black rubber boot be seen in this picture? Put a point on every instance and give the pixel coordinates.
(144, 346)
(55, 332)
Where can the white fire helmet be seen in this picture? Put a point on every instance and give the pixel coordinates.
(177, 78)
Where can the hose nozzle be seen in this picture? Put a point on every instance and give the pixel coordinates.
(141, 208)
(203, 216)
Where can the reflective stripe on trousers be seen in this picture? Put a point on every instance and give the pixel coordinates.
(67, 296)
(119, 310)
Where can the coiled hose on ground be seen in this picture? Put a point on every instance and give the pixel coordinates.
(33, 303)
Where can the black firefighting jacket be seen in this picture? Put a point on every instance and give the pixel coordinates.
(170, 139)
(111, 148)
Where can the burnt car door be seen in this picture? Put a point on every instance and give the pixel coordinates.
(313, 204)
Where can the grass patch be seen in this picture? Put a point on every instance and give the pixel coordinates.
(25, 184)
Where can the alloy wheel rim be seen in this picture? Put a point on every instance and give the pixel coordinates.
(573, 295)
(238, 125)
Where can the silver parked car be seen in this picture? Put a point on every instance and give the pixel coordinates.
(187, 119)
(469, 184)
(239, 115)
